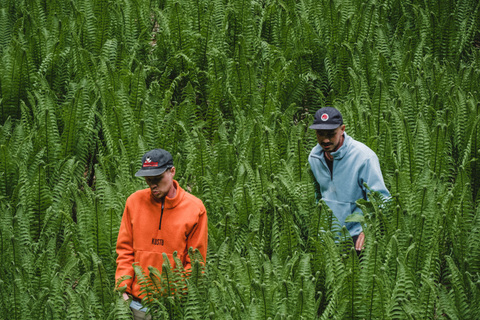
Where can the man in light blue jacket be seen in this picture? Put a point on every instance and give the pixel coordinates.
(341, 166)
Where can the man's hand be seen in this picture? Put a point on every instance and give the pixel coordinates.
(360, 241)
(125, 296)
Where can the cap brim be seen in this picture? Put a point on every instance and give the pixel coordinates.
(150, 172)
(324, 126)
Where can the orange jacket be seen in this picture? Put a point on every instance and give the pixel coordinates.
(145, 233)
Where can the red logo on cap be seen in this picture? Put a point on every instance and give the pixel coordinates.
(148, 163)
(324, 117)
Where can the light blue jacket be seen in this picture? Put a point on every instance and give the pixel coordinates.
(353, 165)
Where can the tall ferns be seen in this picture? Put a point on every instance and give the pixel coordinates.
(230, 88)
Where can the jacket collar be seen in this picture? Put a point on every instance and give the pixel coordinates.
(337, 155)
(173, 202)
(340, 153)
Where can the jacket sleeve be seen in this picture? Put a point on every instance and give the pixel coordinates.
(198, 239)
(125, 257)
(371, 174)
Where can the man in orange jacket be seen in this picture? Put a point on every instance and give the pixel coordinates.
(160, 219)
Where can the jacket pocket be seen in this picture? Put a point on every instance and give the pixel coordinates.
(150, 258)
(342, 210)
(145, 259)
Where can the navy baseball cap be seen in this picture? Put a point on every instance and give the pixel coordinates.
(327, 118)
(154, 163)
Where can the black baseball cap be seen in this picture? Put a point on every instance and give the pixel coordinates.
(154, 163)
(327, 118)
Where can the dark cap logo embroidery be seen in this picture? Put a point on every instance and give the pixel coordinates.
(324, 117)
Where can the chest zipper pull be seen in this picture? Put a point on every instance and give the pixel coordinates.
(161, 215)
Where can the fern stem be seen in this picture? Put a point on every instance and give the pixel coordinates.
(400, 303)
(46, 140)
(332, 25)
(226, 225)
(266, 85)
(198, 18)
(379, 107)
(370, 21)
(2, 253)
(374, 275)
(352, 257)
(300, 293)
(426, 305)
(96, 226)
(241, 14)
(318, 222)
(204, 59)
(436, 149)
(398, 216)
(239, 76)
(235, 37)
(409, 149)
(3, 113)
(156, 288)
(263, 288)
(201, 160)
(261, 179)
(423, 199)
(246, 200)
(250, 94)
(397, 177)
(269, 153)
(330, 220)
(111, 228)
(444, 139)
(14, 282)
(289, 227)
(39, 205)
(286, 289)
(18, 95)
(419, 242)
(72, 112)
(169, 291)
(197, 273)
(5, 175)
(475, 155)
(136, 94)
(101, 283)
(299, 160)
(249, 278)
(179, 30)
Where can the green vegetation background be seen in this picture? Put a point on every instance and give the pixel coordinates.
(230, 87)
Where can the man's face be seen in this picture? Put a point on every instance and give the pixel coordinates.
(162, 184)
(329, 139)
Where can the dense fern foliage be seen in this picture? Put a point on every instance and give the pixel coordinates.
(230, 87)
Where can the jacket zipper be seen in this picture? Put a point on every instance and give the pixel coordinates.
(324, 162)
(161, 215)
(331, 171)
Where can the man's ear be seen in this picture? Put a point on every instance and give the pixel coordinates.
(173, 171)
